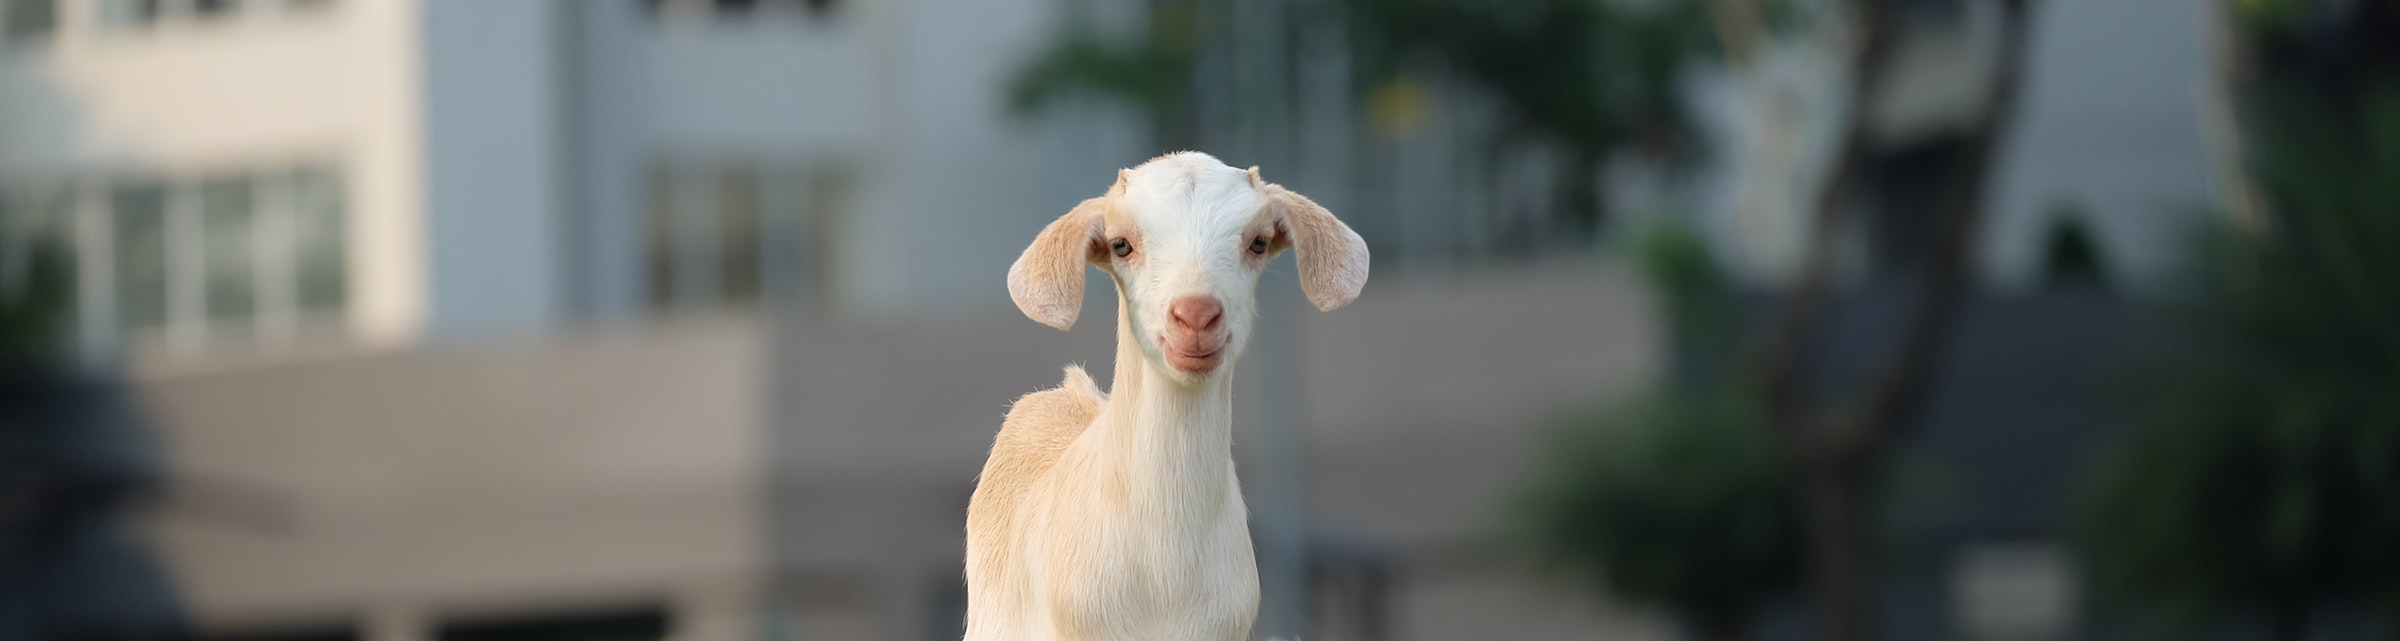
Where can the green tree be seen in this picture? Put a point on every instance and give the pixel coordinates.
(1586, 78)
(1841, 438)
(2264, 470)
(1151, 73)
(1678, 499)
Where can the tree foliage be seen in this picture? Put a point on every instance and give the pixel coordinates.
(36, 293)
(1591, 75)
(1588, 78)
(1679, 500)
(2264, 469)
(1152, 73)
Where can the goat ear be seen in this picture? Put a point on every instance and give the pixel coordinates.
(1047, 280)
(1333, 259)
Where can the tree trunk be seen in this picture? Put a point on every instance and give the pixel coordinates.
(1841, 555)
(1721, 626)
(2288, 621)
(1840, 446)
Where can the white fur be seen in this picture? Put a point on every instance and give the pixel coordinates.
(1117, 516)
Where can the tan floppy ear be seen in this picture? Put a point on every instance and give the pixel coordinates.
(1333, 259)
(1047, 280)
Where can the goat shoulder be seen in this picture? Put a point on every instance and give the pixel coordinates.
(1038, 429)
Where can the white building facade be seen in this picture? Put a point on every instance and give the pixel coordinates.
(237, 174)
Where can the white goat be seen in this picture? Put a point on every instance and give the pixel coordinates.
(1117, 516)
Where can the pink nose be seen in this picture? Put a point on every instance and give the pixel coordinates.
(1196, 313)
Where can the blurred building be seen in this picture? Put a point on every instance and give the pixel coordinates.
(335, 236)
(240, 173)
(2117, 131)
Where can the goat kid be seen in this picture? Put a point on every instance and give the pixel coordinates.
(1116, 516)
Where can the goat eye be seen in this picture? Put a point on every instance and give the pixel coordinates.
(1258, 245)
(1121, 247)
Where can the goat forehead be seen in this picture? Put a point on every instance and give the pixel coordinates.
(1187, 196)
(1185, 169)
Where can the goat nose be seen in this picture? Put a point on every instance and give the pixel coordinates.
(1196, 313)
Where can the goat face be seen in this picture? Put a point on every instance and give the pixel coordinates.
(1185, 238)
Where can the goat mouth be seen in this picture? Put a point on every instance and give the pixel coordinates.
(1197, 363)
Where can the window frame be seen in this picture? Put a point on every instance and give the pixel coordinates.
(87, 221)
(794, 200)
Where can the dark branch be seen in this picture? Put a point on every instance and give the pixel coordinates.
(1898, 388)
(1784, 358)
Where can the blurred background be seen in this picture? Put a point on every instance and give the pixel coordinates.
(1978, 320)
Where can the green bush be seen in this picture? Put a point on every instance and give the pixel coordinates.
(1680, 500)
(2263, 468)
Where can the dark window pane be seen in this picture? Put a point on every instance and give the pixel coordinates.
(828, 221)
(140, 215)
(321, 230)
(738, 234)
(229, 232)
(127, 14)
(659, 240)
(212, 8)
(783, 236)
(29, 19)
(36, 242)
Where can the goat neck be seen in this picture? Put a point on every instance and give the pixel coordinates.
(1175, 439)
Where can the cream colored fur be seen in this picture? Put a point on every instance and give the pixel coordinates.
(1117, 516)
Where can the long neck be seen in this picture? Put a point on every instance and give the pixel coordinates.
(1175, 441)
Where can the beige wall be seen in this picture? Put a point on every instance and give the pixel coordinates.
(257, 89)
(402, 489)
(408, 487)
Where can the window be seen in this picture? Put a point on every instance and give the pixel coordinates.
(229, 249)
(738, 232)
(128, 14)
(136, 15)
(34, 236)
(828, 193)
(735, 234)
(24, 20)
(194, 260)
(213, 8)
(138, 225)
(320, 240)
(741, 9)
